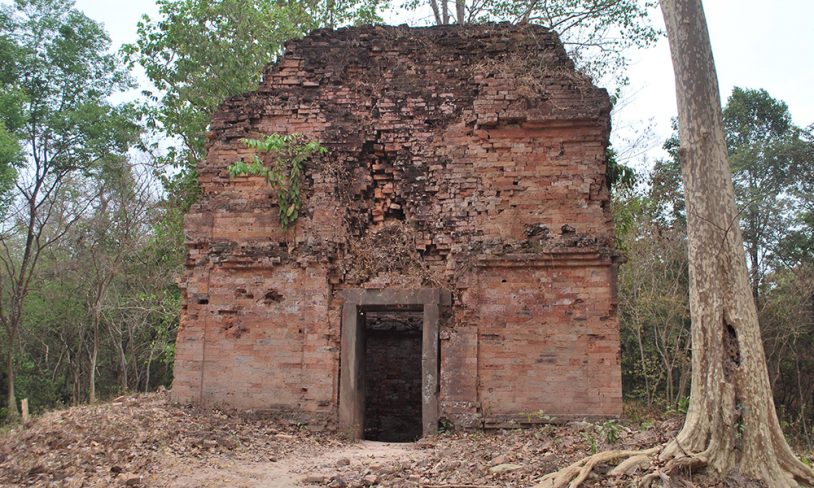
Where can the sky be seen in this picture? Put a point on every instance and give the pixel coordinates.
(757, 44)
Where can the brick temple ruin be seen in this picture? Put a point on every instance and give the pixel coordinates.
(453, 260)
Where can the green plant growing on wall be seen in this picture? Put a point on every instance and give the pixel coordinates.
(288, 152)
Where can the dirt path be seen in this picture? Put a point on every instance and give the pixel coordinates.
(312, 467)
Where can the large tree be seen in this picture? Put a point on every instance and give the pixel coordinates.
(731, 424)
(769, 163)
(56, 66)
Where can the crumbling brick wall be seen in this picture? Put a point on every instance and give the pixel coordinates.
(470, 159)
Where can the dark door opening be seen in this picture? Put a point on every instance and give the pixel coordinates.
(392, 369)
(354, 379)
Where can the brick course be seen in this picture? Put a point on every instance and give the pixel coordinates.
(467, 159)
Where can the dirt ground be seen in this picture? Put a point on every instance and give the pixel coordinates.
(143, 440)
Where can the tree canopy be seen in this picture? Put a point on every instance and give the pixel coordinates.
(198, 53)
(57, 76)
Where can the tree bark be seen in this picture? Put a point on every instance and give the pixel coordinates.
(460, 11)
(124, 381)
(436, 13)
(10, 395)
(147, 371)
(731, 423)
(94, 352)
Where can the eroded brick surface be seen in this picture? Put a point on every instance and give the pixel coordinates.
(466, 159)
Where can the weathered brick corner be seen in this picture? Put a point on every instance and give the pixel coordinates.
(468, 161)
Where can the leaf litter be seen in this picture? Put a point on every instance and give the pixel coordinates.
(146, 440)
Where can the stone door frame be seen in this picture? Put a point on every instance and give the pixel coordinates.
(352, 354)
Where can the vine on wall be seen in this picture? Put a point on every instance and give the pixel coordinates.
(289, 152)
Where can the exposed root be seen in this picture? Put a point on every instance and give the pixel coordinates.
(575, 474)
(631, 465)
(652, 467)
(651, 478)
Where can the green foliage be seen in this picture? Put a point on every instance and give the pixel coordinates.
(198, 53)
(11, 157)
(591, 440)
(773, 175)
(11, 113)
(42, 390)
(798, 245)
(546, 430)
(680, 408)
(683, 404)
(445, 426)
(771, 162)
(621, 181)
(57, 84)
(654, 305)
(618, 176)
(288, 154)
(60, 131)
(537, 415)
(666, 188)
(610, 431)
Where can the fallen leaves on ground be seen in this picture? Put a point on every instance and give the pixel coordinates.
(120, 443)
(134, 441)
(501, 458)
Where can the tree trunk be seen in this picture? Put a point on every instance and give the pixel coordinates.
(460, 11)
(77, 380)
(731, 423)
(147, 372)
(12, 399)
(436, 13)
(124, 381)
(94, 352)
(643, 363)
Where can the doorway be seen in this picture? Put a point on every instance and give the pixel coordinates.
(392, 376)
(378, 326)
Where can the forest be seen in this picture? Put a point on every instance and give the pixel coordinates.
(93, 193)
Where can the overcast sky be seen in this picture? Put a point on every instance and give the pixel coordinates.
(757, 44)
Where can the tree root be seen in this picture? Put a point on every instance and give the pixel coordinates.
(647, 467)
(575, 474)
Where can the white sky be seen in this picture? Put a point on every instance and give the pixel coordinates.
(757, 44)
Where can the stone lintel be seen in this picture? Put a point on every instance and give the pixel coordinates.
(397, 298)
